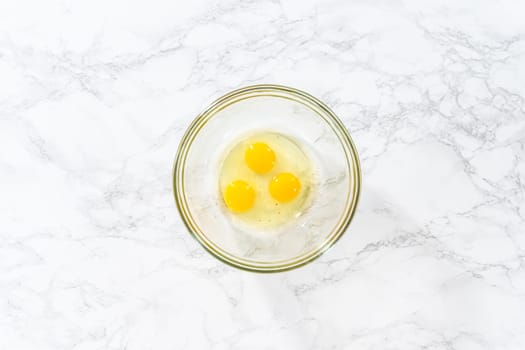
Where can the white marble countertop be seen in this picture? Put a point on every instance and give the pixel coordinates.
(94, 98)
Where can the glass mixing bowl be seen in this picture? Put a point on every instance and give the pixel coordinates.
(319, 133)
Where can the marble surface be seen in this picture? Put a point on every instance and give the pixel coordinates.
(94, 98)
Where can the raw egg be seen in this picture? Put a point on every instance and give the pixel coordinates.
(239, 196)
(284, 187)
(259, 157)
(265, 179)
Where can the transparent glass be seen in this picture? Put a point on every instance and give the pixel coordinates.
(320, 134)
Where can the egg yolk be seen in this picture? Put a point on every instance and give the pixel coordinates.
(259, 157)
(284, 187)
(239, 196)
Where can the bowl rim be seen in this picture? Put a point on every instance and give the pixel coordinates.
(352, 160)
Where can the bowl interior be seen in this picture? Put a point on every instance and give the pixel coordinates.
(321, 136)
